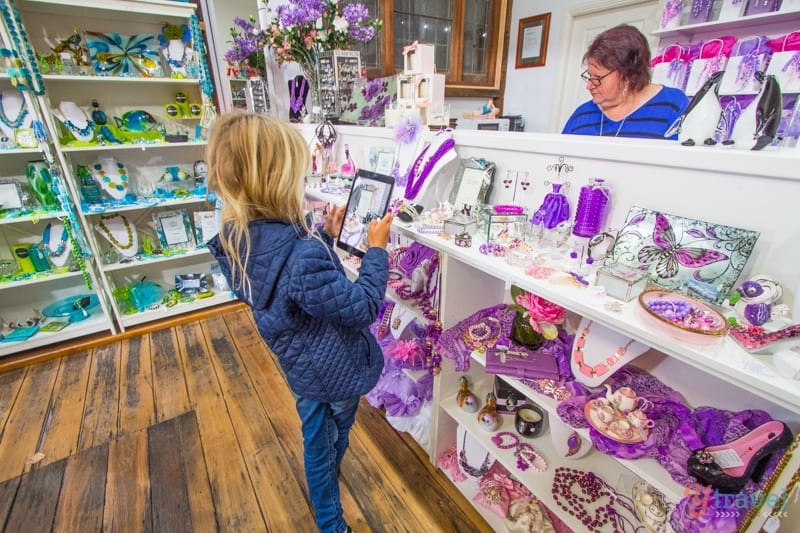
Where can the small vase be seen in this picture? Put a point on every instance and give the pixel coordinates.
(523, 334)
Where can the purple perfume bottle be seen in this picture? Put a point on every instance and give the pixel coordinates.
(590, 215)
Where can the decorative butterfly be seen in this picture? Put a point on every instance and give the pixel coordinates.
(670, 255)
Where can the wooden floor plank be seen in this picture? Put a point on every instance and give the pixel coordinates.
(20, 438)
(10, 384)
(37, 498)
(82, 498)
(65, 414)
(232, 490)
(170, 490)
(101, 413)
(8, 492)
(137, 405)
(169, 387)
(201, 502)
(128, 485)
(256, 436)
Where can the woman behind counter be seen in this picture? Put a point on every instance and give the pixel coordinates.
(624, 103)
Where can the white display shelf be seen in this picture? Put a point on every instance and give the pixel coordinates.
(725, 359)
(143, 147)
(734, 24)
(70, 78)
(147, 205)
(43, 278)
(39, 216)
(93, 324)
(469, 489)
(645, 468)
(178, 309)
(136, 263)
(18, 151)
(131, 10)
(539, 483)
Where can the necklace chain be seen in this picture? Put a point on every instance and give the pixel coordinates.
(110, 235)
(17, 122)
(602, 121)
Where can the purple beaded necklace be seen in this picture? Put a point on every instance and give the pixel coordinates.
(416, 176)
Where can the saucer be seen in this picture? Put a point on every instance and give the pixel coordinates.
(604, 428)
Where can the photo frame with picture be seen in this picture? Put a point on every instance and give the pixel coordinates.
(205, 226)
(174, 229)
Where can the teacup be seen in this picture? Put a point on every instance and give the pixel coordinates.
(642, 404)
(621, 428)
(638, 419)
(605, 413)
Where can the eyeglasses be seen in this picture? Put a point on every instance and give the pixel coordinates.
(595, 80)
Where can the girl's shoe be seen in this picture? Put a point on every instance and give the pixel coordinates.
(727, 467)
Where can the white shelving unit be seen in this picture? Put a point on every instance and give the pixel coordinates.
(753, 190)
(46, 22)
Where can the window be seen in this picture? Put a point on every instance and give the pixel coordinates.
(468, 35)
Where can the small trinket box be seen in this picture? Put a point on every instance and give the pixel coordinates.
(503, 226)
(464, 240)
(460, 224)
(621, 282)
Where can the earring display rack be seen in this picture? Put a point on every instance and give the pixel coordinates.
(340, 71)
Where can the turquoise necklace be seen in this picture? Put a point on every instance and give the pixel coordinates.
(16, 123)
(62, 244)
(206, 85)
(21, 41)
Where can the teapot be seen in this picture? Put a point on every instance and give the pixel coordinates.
(623, 399)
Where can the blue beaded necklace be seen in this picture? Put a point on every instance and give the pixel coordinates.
(21, 41)
(206, 85)
(16, 123)
(62, 244)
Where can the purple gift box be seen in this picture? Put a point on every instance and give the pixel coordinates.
(756, 7)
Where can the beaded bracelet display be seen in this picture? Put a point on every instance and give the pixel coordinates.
(508, 209)
(499, 440)
(527, 457)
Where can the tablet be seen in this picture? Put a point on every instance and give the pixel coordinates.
(369, 199)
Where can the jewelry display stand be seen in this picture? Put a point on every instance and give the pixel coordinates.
(601, 351)
(56, 243)
(423, 178)
(474, 454)
(112, 177)
(13, 114)
(75, 120)
(120, 232)
(566, 441)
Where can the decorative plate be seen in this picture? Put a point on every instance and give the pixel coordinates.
(679, 250)
(74, 308)
(134, 56)
(682, 317)
(605, 428)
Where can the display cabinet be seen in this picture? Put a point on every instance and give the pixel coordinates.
(339, 71)
(749, 188)
(250, 94)
(126, 116)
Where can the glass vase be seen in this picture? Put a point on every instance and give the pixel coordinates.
(523, 334)
(314, 112)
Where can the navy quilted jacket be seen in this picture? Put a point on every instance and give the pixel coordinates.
(310, 314)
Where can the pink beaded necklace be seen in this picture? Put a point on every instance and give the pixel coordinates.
(604, 366)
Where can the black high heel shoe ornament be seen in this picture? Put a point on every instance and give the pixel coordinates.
(753, 449)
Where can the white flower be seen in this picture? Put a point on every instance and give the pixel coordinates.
(340, 24)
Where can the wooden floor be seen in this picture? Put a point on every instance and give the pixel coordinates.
(192, 428)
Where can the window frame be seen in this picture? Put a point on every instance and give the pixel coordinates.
(456, 83)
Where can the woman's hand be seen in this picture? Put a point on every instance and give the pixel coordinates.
(378, 231)
(333, 221)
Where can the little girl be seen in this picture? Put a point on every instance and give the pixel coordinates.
(307, 311)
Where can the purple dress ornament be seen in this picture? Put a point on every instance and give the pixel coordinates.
(554, 209)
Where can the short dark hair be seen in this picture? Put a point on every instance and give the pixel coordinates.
(623, 48)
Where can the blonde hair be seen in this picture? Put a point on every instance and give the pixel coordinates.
(256, 165)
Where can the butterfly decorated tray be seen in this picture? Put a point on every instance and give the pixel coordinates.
(134, 56)
(683, 318)
(682, 252)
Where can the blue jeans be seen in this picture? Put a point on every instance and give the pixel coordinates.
(326, 436)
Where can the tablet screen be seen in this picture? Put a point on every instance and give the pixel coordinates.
(369, 199)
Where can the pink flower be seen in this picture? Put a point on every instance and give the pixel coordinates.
(543, 314)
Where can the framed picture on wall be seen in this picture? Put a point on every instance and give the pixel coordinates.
(532, 41)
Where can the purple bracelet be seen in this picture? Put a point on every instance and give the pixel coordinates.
(508, 209)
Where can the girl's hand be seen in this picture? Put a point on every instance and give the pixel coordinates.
(378, 231)
(333, 221)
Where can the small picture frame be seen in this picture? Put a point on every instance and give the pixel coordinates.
(187, 284)
(473, 183)
(382, 160)
(174, 229)
(532, 40)
(25, 138)
(205, 226)
(10, 195)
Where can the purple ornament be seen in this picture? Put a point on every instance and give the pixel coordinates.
(590, 215)
(757, 314)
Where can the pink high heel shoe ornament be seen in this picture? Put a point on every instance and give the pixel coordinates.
(348, 167)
